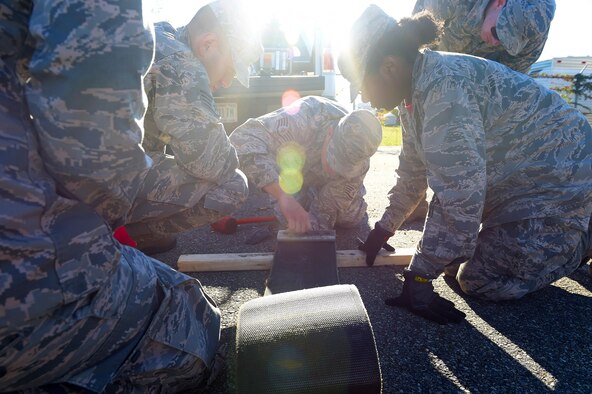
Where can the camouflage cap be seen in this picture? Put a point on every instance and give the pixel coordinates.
(244, 43)
(522, 21)
(368, 28)
(354, 141)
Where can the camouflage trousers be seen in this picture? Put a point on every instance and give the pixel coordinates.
(514, 259)
(172, 201)
(149, 329)
(323, 219)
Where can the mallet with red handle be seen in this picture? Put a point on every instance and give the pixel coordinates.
(228, 224)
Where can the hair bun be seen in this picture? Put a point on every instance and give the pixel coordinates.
(421, 29)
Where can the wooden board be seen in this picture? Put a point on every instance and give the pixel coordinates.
(262, 261)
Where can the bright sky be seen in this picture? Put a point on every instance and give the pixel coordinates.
(568, 36)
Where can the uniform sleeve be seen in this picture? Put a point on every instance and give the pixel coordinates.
(256, 140)
(454, 149)
(410, 188)
(86, 99)
(336, 199)
(251, 140)
(184, 110)
(531, 22)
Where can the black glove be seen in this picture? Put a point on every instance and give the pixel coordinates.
(418, 297)
(376, 240)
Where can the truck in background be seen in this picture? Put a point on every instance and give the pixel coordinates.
(285, 71)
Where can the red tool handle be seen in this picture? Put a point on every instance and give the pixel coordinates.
(260, 219)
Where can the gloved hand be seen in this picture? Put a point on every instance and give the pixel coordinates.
(418, 297)
(376, 240)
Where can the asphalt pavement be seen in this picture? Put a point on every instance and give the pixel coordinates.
(541, 343)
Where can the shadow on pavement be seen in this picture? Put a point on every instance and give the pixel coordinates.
(543, 335)
(583, 276)
(421, 356)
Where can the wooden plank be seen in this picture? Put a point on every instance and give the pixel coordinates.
(356, 258)
(262, 261)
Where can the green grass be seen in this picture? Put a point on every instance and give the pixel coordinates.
(391, 136)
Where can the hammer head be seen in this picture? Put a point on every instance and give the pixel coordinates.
(226, 225)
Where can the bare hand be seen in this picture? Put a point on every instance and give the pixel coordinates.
(297, 217)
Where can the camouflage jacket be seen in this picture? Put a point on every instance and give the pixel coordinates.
(462, 30)
(495, 147)
(182, 113)
(70, 158)
(299, 129)
(70, 164)
(75, 305)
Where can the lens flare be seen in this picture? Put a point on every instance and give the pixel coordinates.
(290, 159)
(291, 181)
(291, 156)
(289, 99)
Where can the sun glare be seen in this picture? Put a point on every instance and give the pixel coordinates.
(328, 17)
(331, 17)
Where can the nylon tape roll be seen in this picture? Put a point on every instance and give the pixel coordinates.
(307, 341)
(303, 261)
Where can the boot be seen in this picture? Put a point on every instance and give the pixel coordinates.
(451, 270)
(155, 243)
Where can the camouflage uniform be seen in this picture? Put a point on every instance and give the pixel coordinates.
(75, 306)
(510, 164)
(285, 146)
(522, 27)
(201, 182)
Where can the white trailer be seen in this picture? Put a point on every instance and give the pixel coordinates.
(570, 66)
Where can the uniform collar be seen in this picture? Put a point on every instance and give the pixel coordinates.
(182, 35)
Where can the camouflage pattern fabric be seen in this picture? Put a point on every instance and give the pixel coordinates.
(167, 203)
(313, 199)
(182, 115)
(287, 144)
(522, 27)
(245, 45)
(514, 259)
(496, 148)
(372, 24)
(76, 308)
(355, 139)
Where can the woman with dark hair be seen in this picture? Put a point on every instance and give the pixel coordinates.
(509, 161)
